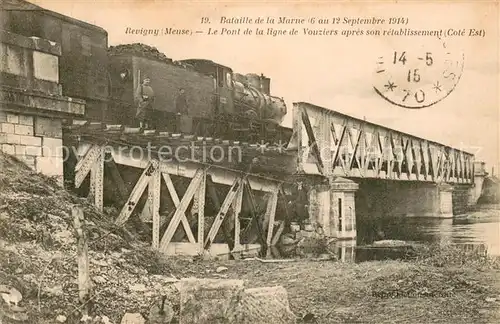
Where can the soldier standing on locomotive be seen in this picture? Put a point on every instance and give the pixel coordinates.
(144, 97)
(181, 108)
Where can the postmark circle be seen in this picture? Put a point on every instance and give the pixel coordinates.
(417, 79)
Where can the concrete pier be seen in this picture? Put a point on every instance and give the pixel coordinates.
(353, 167)
(406, 199)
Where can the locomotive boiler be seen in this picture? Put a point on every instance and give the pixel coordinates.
(221, 103)
(252, 95)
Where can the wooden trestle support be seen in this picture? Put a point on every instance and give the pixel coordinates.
(96, 158)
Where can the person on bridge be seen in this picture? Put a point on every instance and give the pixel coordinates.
(144, 98)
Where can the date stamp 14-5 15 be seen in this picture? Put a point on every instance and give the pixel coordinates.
(417, 79)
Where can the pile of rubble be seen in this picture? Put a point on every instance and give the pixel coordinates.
(227, 301)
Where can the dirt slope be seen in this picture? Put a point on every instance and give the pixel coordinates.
(38, 253)
(38, 259)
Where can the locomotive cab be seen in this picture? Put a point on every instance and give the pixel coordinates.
(223, 83)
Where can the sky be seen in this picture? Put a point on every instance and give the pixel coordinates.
(335, 72)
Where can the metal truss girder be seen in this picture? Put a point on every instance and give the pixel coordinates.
(136, 194)
(181, 209)
(219, 218)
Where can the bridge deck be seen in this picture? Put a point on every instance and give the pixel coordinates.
(335, 144)
(255, 177)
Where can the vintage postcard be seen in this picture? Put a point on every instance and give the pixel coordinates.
(249, 161)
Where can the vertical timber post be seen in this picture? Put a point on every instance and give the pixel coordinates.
(200, 198)
(84, 284)
(342, 208)
(270, 215)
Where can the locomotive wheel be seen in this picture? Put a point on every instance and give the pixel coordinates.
(240, 128)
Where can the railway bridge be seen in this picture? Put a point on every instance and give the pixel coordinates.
(229, 197)
(194, 195)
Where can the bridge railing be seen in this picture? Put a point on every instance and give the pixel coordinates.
(334, 144)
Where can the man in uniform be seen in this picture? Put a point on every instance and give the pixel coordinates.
(144, 97)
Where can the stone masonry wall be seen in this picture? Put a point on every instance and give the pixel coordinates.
(35, 140)
(445, 204)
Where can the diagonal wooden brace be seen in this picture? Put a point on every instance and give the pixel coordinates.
(112, 169)
(84, 166)
(254, 215)
(212, 192)
(270, 215)
(278, 233)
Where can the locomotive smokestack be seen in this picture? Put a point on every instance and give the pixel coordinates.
(265, 84)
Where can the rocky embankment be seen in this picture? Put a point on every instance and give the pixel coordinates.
(130, 282)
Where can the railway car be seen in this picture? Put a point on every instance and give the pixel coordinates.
(83, 64)
(220, 103)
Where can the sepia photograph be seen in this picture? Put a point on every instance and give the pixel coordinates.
(249, 161)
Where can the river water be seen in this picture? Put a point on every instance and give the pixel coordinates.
(481, 226)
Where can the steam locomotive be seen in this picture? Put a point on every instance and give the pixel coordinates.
(221, 103)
